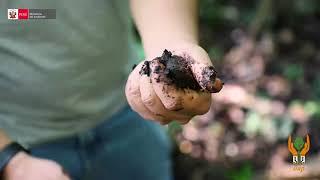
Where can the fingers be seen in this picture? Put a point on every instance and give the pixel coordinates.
(195, 102)
(169, 95)
(202, 68)
(154, 104)
(134, 96)
(65, 177)
(206, 76)
(155, 94)
(185, 101)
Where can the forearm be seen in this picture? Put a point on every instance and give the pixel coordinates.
(4, 140)
(162, 23)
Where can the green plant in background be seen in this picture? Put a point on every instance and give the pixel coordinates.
(220, 21)
(306, 7)
(313, 108)
(245, 172)
(316, 88)
(252, 124)
(216, 53)
(294, 72)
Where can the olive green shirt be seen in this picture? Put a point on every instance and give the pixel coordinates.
(62, 76)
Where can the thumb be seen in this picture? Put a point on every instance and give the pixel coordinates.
(201, 67)
(206, 76)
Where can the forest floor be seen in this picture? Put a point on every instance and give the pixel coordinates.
(272, 90)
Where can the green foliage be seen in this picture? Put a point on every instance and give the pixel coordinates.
(316, 87)
(306, 7)
(252, 123)
(244, 173)
(210, 11)
(216, 53)
(284, 126)
(293, 72)
(311, 107)
(265, 127)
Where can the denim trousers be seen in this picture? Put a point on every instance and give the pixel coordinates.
(124, 147)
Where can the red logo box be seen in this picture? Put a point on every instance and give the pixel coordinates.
(23, 13)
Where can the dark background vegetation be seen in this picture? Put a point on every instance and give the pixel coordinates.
(268, 54)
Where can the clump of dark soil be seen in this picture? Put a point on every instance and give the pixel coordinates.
(176, 70)
(173, 70)
(145, 69)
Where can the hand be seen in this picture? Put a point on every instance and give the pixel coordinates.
(26, 167)
(157, 100)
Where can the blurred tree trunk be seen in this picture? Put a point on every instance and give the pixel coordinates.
(263, 14)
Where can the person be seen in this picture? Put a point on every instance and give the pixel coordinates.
(63, 87)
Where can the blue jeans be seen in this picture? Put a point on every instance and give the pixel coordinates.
(124, 147)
